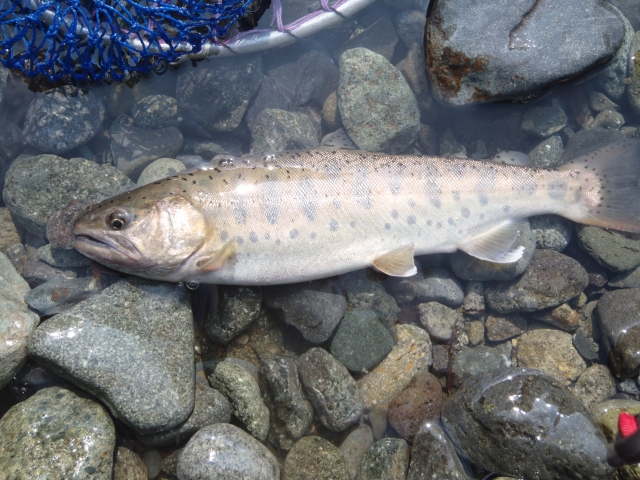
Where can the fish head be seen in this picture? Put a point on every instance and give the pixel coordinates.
(143, 233)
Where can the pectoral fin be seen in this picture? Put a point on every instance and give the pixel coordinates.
(398, 263)
(214, 260)
(497, 244)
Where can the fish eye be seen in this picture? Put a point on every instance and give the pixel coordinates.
(118, 219)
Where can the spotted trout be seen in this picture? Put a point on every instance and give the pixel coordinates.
(311, 214)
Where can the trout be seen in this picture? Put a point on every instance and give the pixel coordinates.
(309, 214)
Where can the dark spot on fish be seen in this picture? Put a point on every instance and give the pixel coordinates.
(313, 235)
(412, 203)
(557, 189)
(353, 223)
(267, 236)
(253, 237)
(394, 214)
(456, 196)
(465, 212)
(387, 226)
(333, 225)
(184, 179)
(483, 199)
(482, 216)
(450, 221)
(293, 233)
(428, 223)
(411, 219)
(240, 240)
(278, 241)
(439, 225)
(224, 236)
(506, 208)
(210, 177)
(194, 182)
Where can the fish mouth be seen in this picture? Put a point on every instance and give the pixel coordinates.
(103, 248)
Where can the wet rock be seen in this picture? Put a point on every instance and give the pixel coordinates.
(207, 149)
(331, 390)
(587, 141)
(414, 71)
(607, 119)
(584, 346)
(159, 169)
(471, 362)
(477, 65)
(330, 112)
(630, 279)
(61, 258)
(60, 225)
(599, 102)
(216, 95)
(474, 298)
(38, 437)
(36, 272)
(419, 402)
(17, 323)
(606, 415)
(563, 317)
(277, 130)
(237, 308)
(314, 308)
(439, 320)
(170, 463)
(380, 38)
(60, 294)
(131, 346)
(377, 107)
(387, 459)
(433, 456)
(355, 446)
(551, 231)
(547, 153)
(440, 358)
(594, 385)
(410, 27)
(314, 458)
(519, 421)
(8, 233)
(62, 119)
(410, 355)
(439, 285)
(550, 280)
(450, 147)
(37, 187)
(613, 78)
(552, 352)
(475, 332)
(361, 341)
(156, 111)
(428, 140)
(153, 461)
(134, 148)
(615, 251)
(222, 451)
(544, 121)
(364, 294)
(129, 466)
(504, 327)
(633, 91)
(239, 386)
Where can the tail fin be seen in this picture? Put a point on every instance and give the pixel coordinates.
(610, 192)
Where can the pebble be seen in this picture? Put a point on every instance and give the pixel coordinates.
(237, 308)
(387, 459)
(544, 121)
(439, 285)
(600, 102)
(547, 153)
(613, 77)
(57, 434)
(410, 27)
(494, 417)
(331, 390)
(276, 130)
(633, 90)
(551, 231)
(428, 140)
(434, 456)
(37, 187)
(629, 386)
(60, 294)
(586, 141)
(584, 345)
(60, 225)
(608, 119)
(450, 147)
(419, 402)
(550, 280)
(630, 279)
(223, 452)
(36, 272)
(552, 352)
(361, 341)
(562, 316)
(354, 447)
(8, 233)
(62, 119)
(410, 355)
(475, 332)
(153, 461)
(377, 107)
(380, 38)
(58, 257)
(330, 112)
(414, 71)
(473, 302)
(364, 294)
(131, 345)
(314, 458)
(241, 389)
(470, 362)
(129, 466)
(613, 250)
(170, 463)
(156, 111)
(439, 320)
(159, 169)
(314, 308)
(504, 327)
(207, 149)
(594, 385)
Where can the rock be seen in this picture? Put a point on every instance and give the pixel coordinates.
(63, 119)
(613, 78)
(475, 332)
(330, 112)
(473, 302)
(438, 320)
(450, 147)
(544, 121)
(552, 352)
(380, 38)
(599, 102)
(361, 341)
(594, 385)
(277, 130)
(584, 346)
(61, 258)
(153, 461)
(608, 119)
(293, 412)
(237, 308)
(131, 346)
(633, 90)
(378, 420)
(216, 95)
(476, 65)
(354, 447)
(471, 362)
(17, 323)
(364, 294)
(550, 280)
(551, 231)
(170, 463)
(433, 456)
(223, 145)
(156, 111)
(606, 415)
(222, 451)
(129, 466)
(159, 169)
(134, 148)
(439, 285)
(630, 279)
(440, 358)
(36, 272)
(60, 224)
(471, 268)
(419, 402)
(377, 107)
(410, 27)
(210, 407)
(615, 251)
(60, 294)
(387, 459)
(241, 389)
(8, 233)
(331, 390)
(547, 153)
(11, 141)
(39, 437)
(518, 421)
(410, 356)
(314, 308)
(37, 187)
(314, 458)
(563, 317)
(428, 140)
(587, 141)
(414, 71)
(504, 327)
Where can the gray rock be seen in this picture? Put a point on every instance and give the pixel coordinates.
(439, 285)
(216, 95)
(477, 65)
(156, 111)
(562, 316)
(377, 107)
(583, 345)
(629, 386)
(410, 27)
(504, 327)
(60, 294)
(60, 225)
(474, 298)
(170, 463)
(615, 251)
(314, 458)
(130, 345)
(433, 456)
(224, 452)
(379, 37)
(414, 71)
(519, 421)
(37, 187)
(241, 389)
(613, 78)
(470, 268)
(153, 462)
(551, 231)
(439, 320)
(129, 466)
(544, 121)
(387, 459)
(440, 358)
(17, 323)
(62, 119)
(450, 147)
(36, 272)
(594, 386)
(11, 142)
(364, 294)
(354, 447)
(471, 362)
(550, 279)
(159, 169)
(208, 149)
(237, 308)
(361, 341)
(633, 90)
(39, 438)
(331, 390)
(630, 279)
(587, 141)
(608, 119)
(58, 257)
(547, 153)
(599, 102)
(278, 130)
(8, 233)
(210, 407)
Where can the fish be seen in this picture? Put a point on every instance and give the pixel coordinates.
(310, 214)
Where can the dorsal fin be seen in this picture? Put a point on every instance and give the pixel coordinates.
(338, 139)
(497, 243)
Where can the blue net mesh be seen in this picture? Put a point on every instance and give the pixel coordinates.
(96, 40)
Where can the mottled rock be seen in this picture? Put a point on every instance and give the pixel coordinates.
(365, 294)
(355, 445)
(475, 332)
(61, 258)
(387, 459)
(153, 462)
(473, 302)
(159, 169)
(439, 285)
(60, 294)
(276, 130)
(414, 71)
(156, 111)
(551, 231)
(594, 385)
(608, 119)
(36, 272)
(314, 458)
(544, 121)
(8, 233)
(439, 320)
(504, 327)
(207, 149)
(584, 345)
(547, 153)
(237, 308)
(433, 456)
(129, 466)
(471, 362)
(562, 316)
(615, 251)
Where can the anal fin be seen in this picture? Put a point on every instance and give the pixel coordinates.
(497, 243)
(398, 263)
